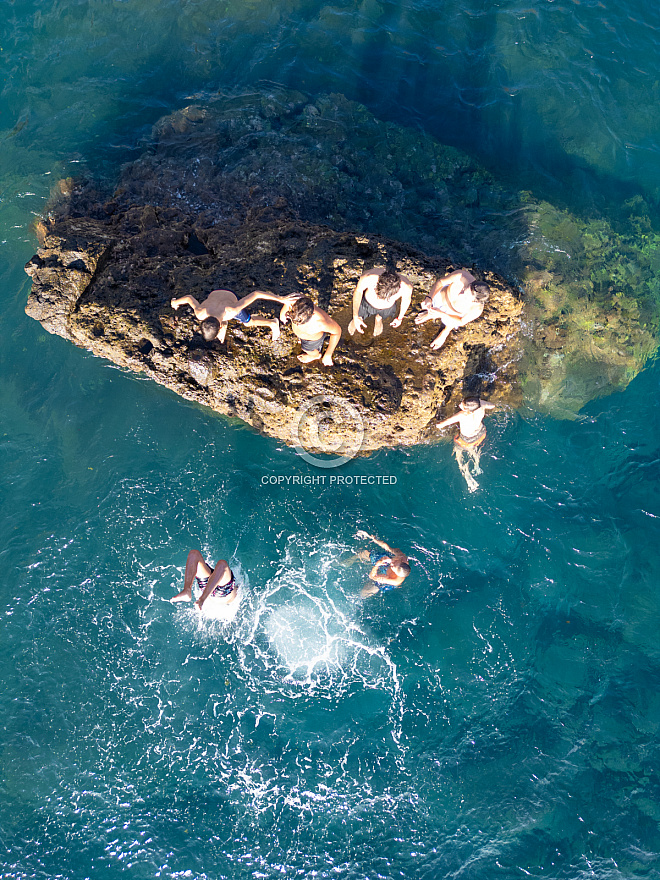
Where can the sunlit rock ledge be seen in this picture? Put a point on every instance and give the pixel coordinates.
(275, 191)
(107, 286)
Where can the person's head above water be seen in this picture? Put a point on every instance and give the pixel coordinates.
(301, 310)
(388, 283)
(402, 569)
(470, 404)
(210, 328)
(480, 291)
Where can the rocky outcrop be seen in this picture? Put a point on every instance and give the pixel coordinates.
(106, 285)
(273, 190)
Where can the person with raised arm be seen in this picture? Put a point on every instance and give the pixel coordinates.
(388, 570)
(471, 434)
(222, 306)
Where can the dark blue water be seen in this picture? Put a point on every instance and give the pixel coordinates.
(499, 716)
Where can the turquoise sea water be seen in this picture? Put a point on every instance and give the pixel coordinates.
(496, 718)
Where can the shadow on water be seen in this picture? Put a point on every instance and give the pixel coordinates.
(465, 73)
(470, 77)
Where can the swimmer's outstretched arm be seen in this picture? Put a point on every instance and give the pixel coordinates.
(231, 312)
(450, 421)
(383, 544)
(189, 300)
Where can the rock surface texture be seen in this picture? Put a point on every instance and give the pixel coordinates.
(272, 190)
(106, 285)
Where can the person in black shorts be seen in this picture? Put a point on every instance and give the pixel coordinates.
(217, 583)
(380, 294)
(312, 326)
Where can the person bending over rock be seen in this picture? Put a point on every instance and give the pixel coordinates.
(217, 583)
(222, 306)
(456, 300)
(312, 326)
(472, 433)
(388, 571)
(376, 295)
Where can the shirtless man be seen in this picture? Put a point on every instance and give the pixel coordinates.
(218, 582)
(221, 306)
(312, 326)
(395, 564)
(376, 294)
(471, 435)
(456, 299)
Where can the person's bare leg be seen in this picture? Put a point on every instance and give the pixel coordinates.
(216, 576)
(440, 339)
(476, 458)
(424, 316)
(362, 556)
(369, 589)
(378, 326)
(273, 323)
(308, 356)
(195, 565)
(463, 462)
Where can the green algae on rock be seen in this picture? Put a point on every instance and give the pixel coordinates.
(592, 303)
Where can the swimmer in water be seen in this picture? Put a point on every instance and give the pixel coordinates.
(471, 434)
(218, 583)
(388, 571)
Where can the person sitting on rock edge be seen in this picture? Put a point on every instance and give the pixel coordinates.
(456, 299)
(221, 306)
(471, 435)
(376, 294)
(312, 326)
(217, 583)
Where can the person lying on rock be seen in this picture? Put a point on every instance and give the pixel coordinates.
(217, 583)
(222, 306)
(471, 435)
(388, 570)
(456, 300)
(376, 295)
(312, 326)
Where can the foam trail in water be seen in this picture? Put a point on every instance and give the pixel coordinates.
(310, 617)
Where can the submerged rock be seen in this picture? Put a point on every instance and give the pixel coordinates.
(272, 190)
